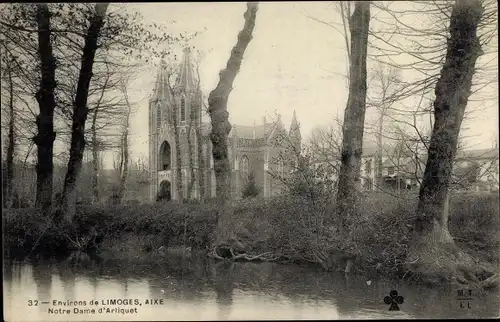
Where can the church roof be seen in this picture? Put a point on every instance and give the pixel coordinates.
(186, 78)
(243, 131)
(247, 131)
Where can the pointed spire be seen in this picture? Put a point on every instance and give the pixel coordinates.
(161, 91)
(294, 126)
(294, 132)
(186, 78)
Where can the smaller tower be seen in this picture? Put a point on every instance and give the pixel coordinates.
(294, 134)
(159, 115)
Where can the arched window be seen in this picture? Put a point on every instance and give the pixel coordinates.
(165, 156)
(244, 165)
(183, 109)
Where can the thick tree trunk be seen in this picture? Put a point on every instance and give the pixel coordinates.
(11, 143)
(452, 93)
(45, 137)
(432, 246)
(80, 111)
(354, 118)
(217, 108)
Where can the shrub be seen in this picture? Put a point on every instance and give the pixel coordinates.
(292, 227)
(250, 189)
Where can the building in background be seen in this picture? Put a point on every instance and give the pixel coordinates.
(402, 171)
(475, 170)
(251, 148)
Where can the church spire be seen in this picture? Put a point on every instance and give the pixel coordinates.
(186, 78)
(161, 91)
(294, 132)
(295, 125)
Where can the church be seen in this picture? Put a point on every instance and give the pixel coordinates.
(176, 111)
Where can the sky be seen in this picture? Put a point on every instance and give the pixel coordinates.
(293, 63)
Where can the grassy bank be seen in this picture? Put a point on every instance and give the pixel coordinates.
(289, 228)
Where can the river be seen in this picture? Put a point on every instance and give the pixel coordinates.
(198, 289)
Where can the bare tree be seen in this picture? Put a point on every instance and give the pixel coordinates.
(199, 142)
(81, 110)
(397, 44)
(433, 248)
(325, 144)
(354, 118)
(217, 108)
(384, 84)
(124, 143)
(425, 48)
(122, 34)
(343, 8)
(106, 114)
(11, 144)
(46, 101)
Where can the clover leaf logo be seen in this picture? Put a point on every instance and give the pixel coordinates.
(393, 299)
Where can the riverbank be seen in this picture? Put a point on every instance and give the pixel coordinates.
(282, 229)
(222, 290)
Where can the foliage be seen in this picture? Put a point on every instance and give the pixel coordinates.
(474, 223)
(251, 189)
(293, 228)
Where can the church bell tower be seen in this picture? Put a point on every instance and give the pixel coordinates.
(174, 114)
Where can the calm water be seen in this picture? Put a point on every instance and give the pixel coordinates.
(198, 289)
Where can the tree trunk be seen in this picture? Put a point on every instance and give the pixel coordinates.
(124, 167)
(178, 159)
(96, 146)
(11, 143)
(80, 111)
(380, 151)
(124, 148)
(95, 160)
(354, 118)
(432, 243)
(217, 108)
(201, 165)
(45, 137)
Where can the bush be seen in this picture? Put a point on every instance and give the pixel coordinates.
(474, 222)
(250, 189)
(292, 227)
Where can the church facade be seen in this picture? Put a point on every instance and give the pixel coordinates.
(175, 123)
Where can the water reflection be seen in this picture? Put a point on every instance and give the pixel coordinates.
(223, 276)
(198, 289)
